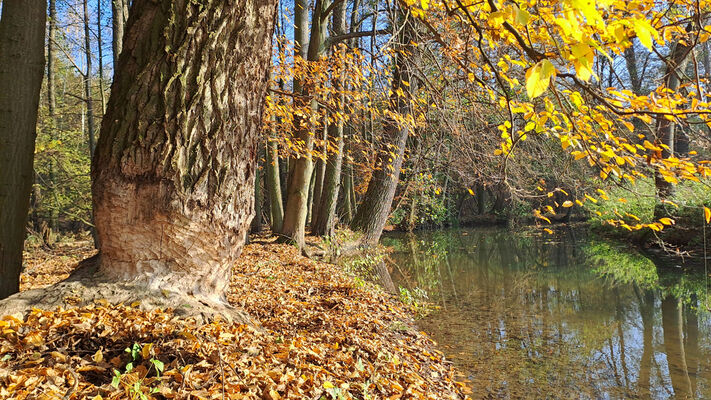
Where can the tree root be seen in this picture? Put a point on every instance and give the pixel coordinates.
(86, 285)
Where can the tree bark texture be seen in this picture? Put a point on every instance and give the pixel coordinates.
(175, 161)
(22, 29)
(372, 213)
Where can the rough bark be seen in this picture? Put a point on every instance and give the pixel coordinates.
(332, 177)
(372, 213)
(175, 161)
(296, 211)
(22, 29)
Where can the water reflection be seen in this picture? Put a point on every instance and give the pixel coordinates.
(565, 316)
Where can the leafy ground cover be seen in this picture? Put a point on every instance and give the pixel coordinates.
(322, 335)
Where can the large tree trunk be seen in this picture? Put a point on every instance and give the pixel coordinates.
(175, 161)
(296, 211)
(22, 28)
(372, 214)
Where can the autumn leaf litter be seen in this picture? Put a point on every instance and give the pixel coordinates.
(323, 334)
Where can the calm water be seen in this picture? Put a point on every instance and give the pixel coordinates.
(561, 316)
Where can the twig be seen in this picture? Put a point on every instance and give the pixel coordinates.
(74, 386)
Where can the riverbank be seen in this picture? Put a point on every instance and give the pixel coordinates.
(320, 334)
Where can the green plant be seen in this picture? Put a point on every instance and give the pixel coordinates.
(141, 388)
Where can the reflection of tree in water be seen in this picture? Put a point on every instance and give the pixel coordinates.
(530, 317)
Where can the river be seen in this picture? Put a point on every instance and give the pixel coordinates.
(524, 314)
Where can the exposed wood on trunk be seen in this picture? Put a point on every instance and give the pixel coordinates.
(175, 161)
(22, 34)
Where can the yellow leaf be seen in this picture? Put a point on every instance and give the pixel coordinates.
(522, 16)
(583, 59)
(328, 385)
(567, 204)
(666, 221)
(146, 351)
(644, 31)
(471, 192)
(538, 78)
(707, 214)
(550, 232)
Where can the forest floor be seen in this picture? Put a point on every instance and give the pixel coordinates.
(321, 334)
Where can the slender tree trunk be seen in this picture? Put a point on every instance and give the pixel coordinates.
(119, 13)
(325, 224)
(319, 171)
(101, 57)
(296, 211)
(273, 183)
(631, 62)
(258, 192)
(22, 29)
(345, 204)
(373, 211)
(87, 81)
(51, 106)
(175, 161)
(665, 128)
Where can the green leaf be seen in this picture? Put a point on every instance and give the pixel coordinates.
(158, 364)
(117, 379)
